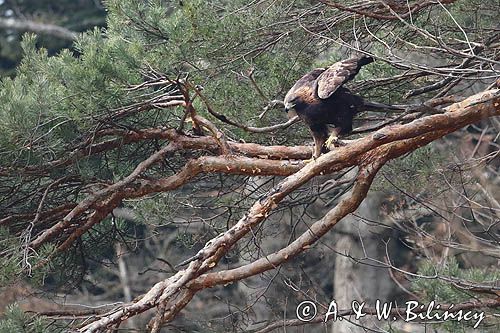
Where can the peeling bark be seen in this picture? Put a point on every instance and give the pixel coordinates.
(369, 153)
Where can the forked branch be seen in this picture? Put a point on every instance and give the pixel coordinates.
(369, 153)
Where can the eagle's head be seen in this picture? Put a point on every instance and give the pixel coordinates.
(290, 108)
(302, 94)
(299, 99)
(291, 102)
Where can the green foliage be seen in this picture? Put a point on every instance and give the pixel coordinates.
(53, 100)
(74, 15)
(414, 172)
(8, 263)
(218, 45)
(17, 321)
(442, 291)
(15, 259)
(56, 101)
(435, 289)
(158, 210)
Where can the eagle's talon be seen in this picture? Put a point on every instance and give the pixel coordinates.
(333, 139)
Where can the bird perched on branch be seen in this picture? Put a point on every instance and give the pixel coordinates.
(320, 99)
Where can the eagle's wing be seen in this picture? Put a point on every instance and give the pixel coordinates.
(338, 74)
(305, 86)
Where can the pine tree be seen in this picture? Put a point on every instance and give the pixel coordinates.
(168, 95)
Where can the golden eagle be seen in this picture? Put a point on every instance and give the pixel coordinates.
(319, 99)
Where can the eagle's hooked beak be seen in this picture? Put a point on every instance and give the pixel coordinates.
(290, 110)
(289, 106)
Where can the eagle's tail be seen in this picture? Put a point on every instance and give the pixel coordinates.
(365, 60)
(367, 106)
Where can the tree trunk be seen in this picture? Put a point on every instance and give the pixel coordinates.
(354, 280)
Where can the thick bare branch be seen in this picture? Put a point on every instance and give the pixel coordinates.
(371, 151)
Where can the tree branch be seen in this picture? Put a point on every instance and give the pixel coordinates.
(369, 153)
(39, 28)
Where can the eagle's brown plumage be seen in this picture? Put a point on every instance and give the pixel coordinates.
(319, 99)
